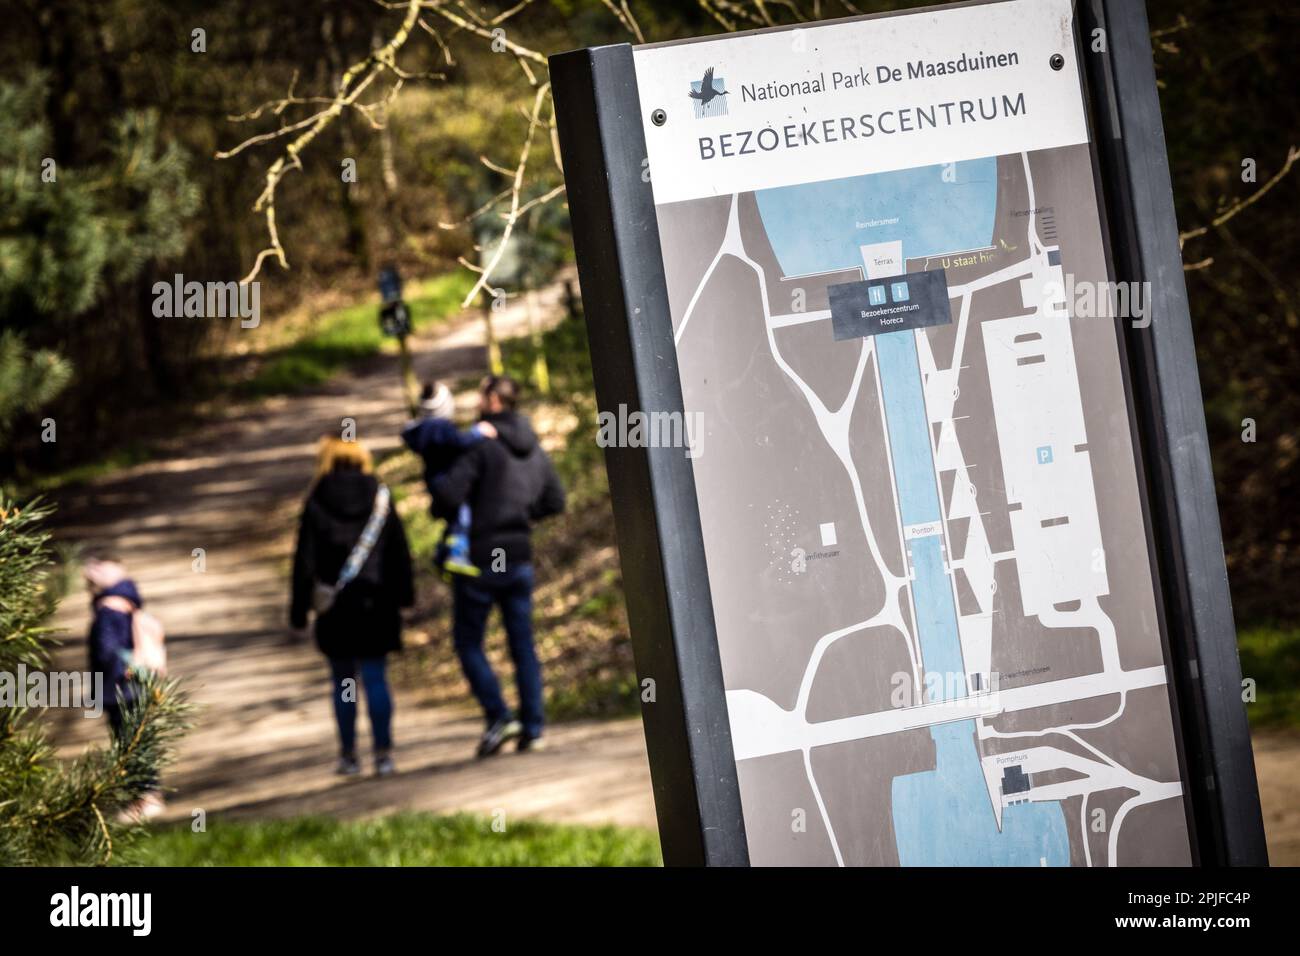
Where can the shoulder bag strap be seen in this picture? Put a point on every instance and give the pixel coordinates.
(366, 543)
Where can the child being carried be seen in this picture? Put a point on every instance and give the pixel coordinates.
(436, 439)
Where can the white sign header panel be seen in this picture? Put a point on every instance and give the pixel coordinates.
(847, 98)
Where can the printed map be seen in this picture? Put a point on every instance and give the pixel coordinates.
(926, 547)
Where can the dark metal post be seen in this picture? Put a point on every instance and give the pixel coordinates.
(616, 235)
(1205, 668)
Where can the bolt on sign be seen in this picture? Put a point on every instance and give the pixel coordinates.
(948, 588)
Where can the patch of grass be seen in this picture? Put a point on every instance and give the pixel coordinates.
(403, 472)
(601, 695)
(604, 601)
(129, 455)
(404, 839)
(423, 532)
(346, 335)
(1270, 656)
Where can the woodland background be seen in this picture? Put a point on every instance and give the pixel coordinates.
(113, 92)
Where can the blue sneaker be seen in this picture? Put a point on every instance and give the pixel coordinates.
(456, 559)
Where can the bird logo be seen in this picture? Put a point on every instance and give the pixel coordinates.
(708, 95)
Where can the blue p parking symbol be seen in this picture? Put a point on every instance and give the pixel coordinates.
(1045, 455)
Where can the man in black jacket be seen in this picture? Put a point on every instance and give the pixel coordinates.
(509, 483)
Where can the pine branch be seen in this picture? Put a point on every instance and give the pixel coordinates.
(54, 814)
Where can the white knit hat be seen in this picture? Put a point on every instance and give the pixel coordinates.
(441, 404)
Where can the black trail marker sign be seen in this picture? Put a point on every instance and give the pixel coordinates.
(940, 581)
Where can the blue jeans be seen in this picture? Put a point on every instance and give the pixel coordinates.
(379, 703)
(512, 590)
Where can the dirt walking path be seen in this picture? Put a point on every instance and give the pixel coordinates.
(264, 742)
(1277, 765)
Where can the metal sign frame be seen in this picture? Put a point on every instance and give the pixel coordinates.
(661, 546)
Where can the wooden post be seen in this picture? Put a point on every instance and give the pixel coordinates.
(541, 371)
(410, 388)
(495, 365)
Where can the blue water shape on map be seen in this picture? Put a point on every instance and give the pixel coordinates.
(936, 617)
(814, 227)
(942, 817)
(909, 431)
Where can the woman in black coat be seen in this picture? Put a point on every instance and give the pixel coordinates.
(364, 622)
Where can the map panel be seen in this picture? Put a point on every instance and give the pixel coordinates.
(926, 546)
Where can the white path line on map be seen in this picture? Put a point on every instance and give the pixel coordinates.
(1032, 230)
(1091, 616)
(985, 731)
(1083, 830)
(786, 319)
(927, 364)
(1065, 731)
(1154, 793)
(1005, 274)
(814, 660)
(821, 806)
(833, 425)
(963, 322)
(763, 728)
(1104, 776)
(1165, 791)
(819, 649)
(890, 614)
(1070, 733)
(708, 274)
(732, 244)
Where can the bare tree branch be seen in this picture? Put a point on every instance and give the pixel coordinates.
(712, 11)
(354, 82)
(1292, 155)
(483, 31)
(625, 17)
(480, 211)
(512, 217)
